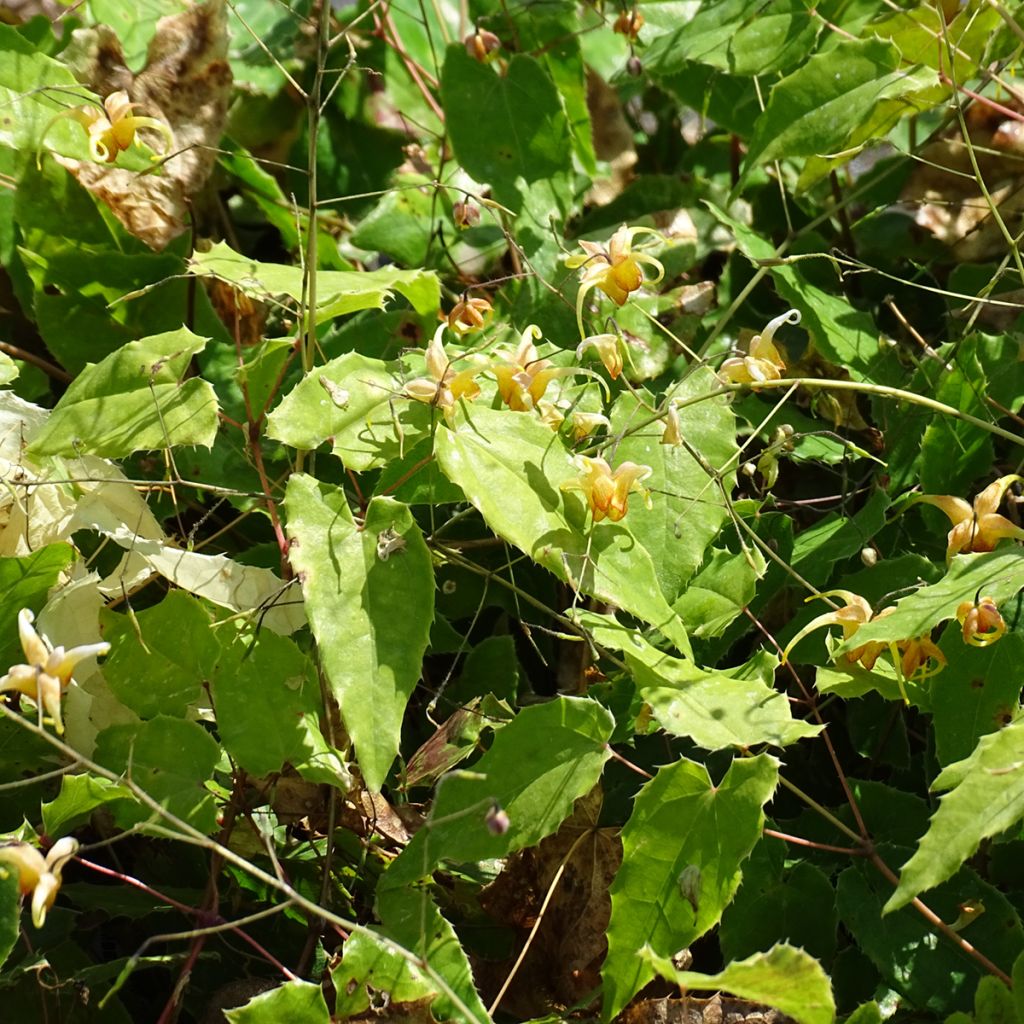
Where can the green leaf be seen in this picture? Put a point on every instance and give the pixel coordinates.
(665, 866)
(547, 757)
(785, 978)
(976, 694)
(780, 902)
(370, 606)
(26, 583)
(10, 913)
(998, 574)
(935, 977)
(717, 595)
(134, 400)
(738, 37)
(411, 918)
(374, 426)
(297, 1002)
(504, 126)
(994, 1003)
(986, 796)
(715, 709)
(370, 971)
(836, 101)
(688, 506)
(149, 669)
(8, 369)
(511, 467)
(337, 291)
(268, 707)
(171, 760)
(79, 796)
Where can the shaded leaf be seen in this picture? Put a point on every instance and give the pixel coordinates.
(297, 1002)
(547, 757)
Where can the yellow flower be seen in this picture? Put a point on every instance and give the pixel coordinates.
(982, 622)
(112, 130)
(39, 875)
(523, 376)
(48, 669)
(444, 387)
(606, 492)
(978, 527)
(764, 362)
(616, 269)
(670, 432)
(585, 423)
(915, 659)
(850, 617)
(608, 348)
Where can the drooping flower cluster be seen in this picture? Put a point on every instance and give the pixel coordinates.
(982, 622)
(47, 670)
(445, 386)
(607, 491)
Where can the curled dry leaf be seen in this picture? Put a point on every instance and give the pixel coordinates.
(564, 960)
(613, 140)
(186, 83)
(718, 1009)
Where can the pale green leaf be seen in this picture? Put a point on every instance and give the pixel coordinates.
(337, 291)
(411, 918)
(297, 1002)
(685, 835)
(8, 369)
(511, 467)
(784, 978)
(547, 757)
(376, 424)
(136, 399)
(715, 709)
(717, 595)
(687, 504)
(79, 796)
(369, 595)
(986, 797)
(371, 971)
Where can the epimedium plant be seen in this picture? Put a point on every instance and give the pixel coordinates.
(422, 430)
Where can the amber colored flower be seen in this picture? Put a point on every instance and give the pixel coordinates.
(978, 527)
(608, 348)
(465, 214)
(850, 617)
(616, 269)
(481, 45)
(629, 23)
(47, 671)
(585, 423)
(444, 387)
(764, 362)
(983, 624)
(607, 492)
(37, 874)
(920, 658)
(112, 130)
(470, 315)
(523, 376)
(671, 433)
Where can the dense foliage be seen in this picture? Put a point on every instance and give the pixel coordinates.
(510, 510)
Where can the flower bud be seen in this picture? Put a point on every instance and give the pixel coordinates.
(465, 215)
(481, 44)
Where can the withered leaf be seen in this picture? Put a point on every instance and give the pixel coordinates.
(564, 960)
(186, 83)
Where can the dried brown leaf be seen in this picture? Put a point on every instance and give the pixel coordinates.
(186, 83)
